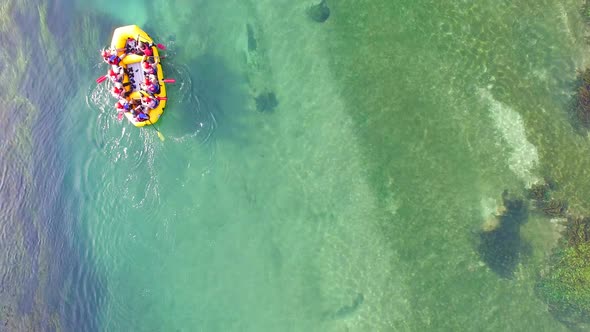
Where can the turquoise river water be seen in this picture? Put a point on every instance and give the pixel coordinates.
(354, 202)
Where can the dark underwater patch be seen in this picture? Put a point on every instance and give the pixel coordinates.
(320, 12)
(348, 309)
(266, 102)
(252, 44)
(502, 247)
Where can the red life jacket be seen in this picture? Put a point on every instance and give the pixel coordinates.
(114, 60)
(148, 51)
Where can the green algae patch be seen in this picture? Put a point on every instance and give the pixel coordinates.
(583, 100)
(47, 38)
(18, 118)
(565, 287)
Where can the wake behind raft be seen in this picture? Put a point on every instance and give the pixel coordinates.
(137, 76)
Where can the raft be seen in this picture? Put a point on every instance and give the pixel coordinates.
(133, 62)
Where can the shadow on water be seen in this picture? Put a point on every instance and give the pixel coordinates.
(501, 246)
(221, 92)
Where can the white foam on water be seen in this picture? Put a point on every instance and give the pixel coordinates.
(523, 156)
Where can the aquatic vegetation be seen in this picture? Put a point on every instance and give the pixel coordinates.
(565, 286)
(266, 102)
(500, 243)
(583, 102)
(554, 207)
(539, 192)
(586, 10)
(320, 12)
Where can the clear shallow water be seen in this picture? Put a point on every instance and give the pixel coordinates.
(354, 205)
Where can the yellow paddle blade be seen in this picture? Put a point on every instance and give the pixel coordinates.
(162, 138)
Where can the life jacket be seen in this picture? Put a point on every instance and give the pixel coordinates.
(114, 60)
(142, 117)
(113, 76)
(118, 90)
(153, 88)
(151, 102)
(147, 51)
(122, 104)
(148, 68)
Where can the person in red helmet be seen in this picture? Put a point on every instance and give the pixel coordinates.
(110, 57)
(144, 48)
(122, 105)
(150, 102)
(118, 91)
(150, 87)
(130, 45)
(140, 113)
(148, 67)
(116, 75)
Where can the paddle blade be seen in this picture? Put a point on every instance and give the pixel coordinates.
(120, 116)
(169, 80)
(101, 79)
(162, 138)
(162, 98)
(162, 47)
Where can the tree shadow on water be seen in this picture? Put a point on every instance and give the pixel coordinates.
(501, 246)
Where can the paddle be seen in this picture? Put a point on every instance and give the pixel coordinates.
(159, 133)
(169, 80)
(120, 115)
(162, 98)
(101, 79)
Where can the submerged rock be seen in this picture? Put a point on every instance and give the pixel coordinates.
(500, 243)
(320, 12)
(266, 102)
(252, 44)
(347, 309)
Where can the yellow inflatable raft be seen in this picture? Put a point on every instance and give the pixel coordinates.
(132, 62)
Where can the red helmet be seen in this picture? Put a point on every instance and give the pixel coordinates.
(104, 53)
(146, 65)
(111, 72)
